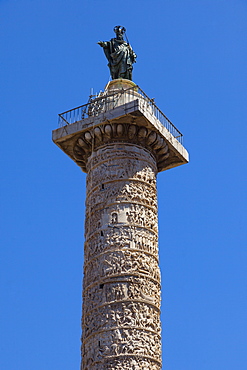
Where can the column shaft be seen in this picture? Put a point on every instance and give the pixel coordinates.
(121, 286)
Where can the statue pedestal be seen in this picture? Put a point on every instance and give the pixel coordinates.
(120, 84)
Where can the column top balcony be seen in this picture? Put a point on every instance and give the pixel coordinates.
(121, 113)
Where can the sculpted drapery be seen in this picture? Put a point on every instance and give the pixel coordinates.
(119, 54)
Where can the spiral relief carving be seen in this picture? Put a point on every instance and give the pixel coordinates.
(121, 287)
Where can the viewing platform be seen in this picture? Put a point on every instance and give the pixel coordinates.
(122, 112)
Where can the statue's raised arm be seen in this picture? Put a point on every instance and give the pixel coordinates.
(119, 54)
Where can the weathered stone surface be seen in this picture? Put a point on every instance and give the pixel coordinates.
(121, 300)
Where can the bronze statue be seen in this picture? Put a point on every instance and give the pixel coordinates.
(119, 54)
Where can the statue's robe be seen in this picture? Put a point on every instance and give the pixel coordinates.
(120, 56)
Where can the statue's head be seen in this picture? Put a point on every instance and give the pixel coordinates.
(119, 31)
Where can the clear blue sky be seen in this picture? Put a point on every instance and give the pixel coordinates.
(192, 58)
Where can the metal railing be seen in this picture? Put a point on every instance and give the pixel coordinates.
(104, 102)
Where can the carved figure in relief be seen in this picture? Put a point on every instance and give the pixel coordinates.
(115, 317)
(114, 218)
(128, 319)
(127, 364)
(142, 289)
(134, 365)
(134, 160)
(119, 262)
(105, 351)
(114, 349)
(97, 177)
(125, 314)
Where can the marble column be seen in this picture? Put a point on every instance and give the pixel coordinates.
(121, 139)
(121, 299)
